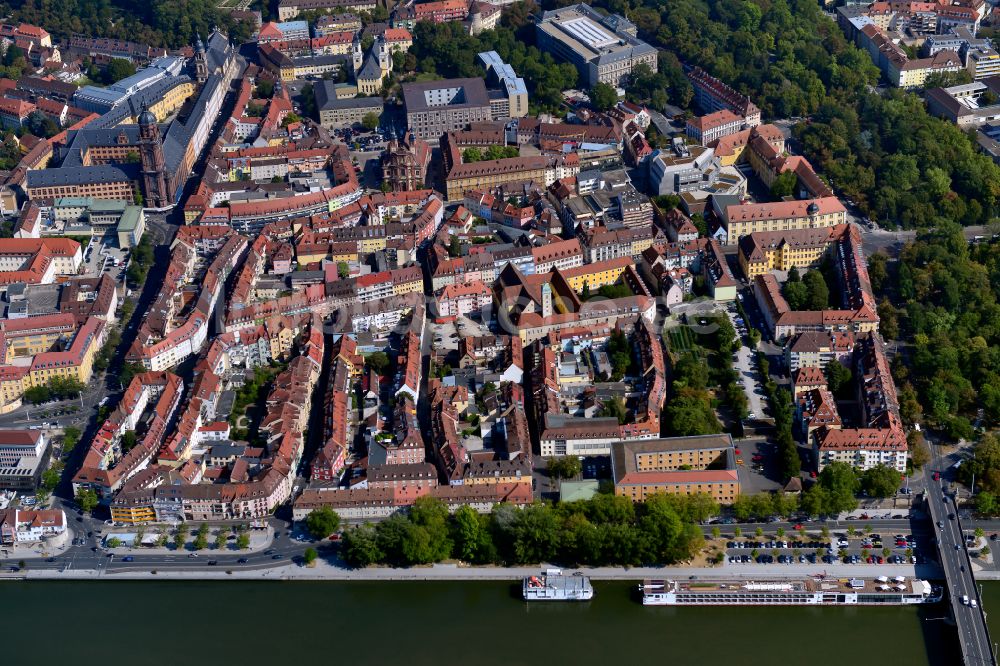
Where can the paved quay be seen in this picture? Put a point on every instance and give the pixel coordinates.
(453, 572)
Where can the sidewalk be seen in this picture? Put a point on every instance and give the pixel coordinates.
(449, 572)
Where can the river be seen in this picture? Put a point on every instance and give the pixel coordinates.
(435, 623)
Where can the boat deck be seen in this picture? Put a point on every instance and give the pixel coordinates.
(797, 585)
(555, 587)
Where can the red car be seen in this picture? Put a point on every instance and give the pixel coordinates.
(798, 526)
(937, 476)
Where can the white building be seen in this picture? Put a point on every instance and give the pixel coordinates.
(17, 526)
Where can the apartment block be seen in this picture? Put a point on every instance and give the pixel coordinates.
(677, 466)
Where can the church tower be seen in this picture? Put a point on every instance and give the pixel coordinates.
(200, 61)
(384, 56)
(357, 55)
(154, 166)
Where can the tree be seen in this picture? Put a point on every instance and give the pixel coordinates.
(378, 361)
(840, 481)
(360, 546)
(880, 481)
(371, 121)
(987, 504)
(201, 537)
(129, 371)
(343, 270)
(220, 540)
(322, 522)
(50, 479)
(310, 556)
(615, 407)
(38, 394)
(264, 89)
(128, 440)
(429, 515)
(86, 499)
(819, 292)
(565, 467)
(114, 542)
(470, 534)
(243, 541)
(788, 452)
(920, 454)
(784, 185)
(813, 501)
(118, 69)
(797, 295)
(65, 387)
(603, 96)
(838, 377)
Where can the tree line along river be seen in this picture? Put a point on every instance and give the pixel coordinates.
(434, 623)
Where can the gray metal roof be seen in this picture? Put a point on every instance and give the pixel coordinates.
(81, 175)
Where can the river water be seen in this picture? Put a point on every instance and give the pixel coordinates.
(442, 623)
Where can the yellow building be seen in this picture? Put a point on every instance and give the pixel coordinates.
(765, 251)
(740, 220)
(172, 101)
(133, 514)
(412, 287)
(75, 362)
(372, 244)
(493, 472)
(676, 465)
(596, 275)
(343, 255)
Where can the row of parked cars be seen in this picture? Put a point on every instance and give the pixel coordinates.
(776, 544)
(771, 559)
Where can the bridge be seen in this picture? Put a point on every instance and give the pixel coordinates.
(973, 634)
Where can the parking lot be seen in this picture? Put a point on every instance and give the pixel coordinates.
(759, 471)
(447, 334)
(843, 547)
(101, 259)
